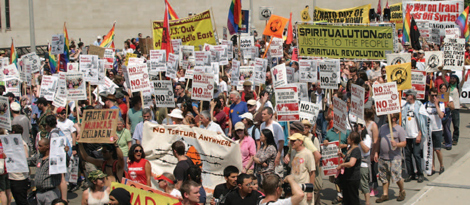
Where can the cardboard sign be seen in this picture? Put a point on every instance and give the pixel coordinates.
(5, 119)
(287, 104)
(330, 159)
(433, 59)
(340, 114)
(261, 66)
(401, 74)
(308, 71)
(96, 50)
(99, 126)
(138, 77)
(418, 83)
(203, 87)
(357, 101)
(329, 74)
(57, 44)
(146, 44)
(398, 58)
(308, 111)
(386, 98)
(454, 54)
(164, 95)
(279, 75)
(76, 86)
(276, 49)
(443, 97)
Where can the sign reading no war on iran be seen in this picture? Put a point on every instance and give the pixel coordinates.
(366, 42)
(194, 30)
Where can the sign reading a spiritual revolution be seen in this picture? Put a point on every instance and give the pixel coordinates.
(366, 42)
(358, 14)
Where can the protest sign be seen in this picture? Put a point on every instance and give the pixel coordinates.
(261, 66)
(214, 69)
(437, 14)
(109, 55)
(186, 56)
(464, 94)
(401, 74)
(275, 26)
(176, 44)
(135, 60)
(142, 187)
(145, 44)
(452, 33)
(290, 72)
(128, 56)
(224, 33)
(308, 71)
(57, 44)
(330, 159)
(340, 114)
(72, 67)
(396, 15)
(435, 36)
(34, 61)
(171, 66)
(386, 98)
(398, 58)
(5, 120)
(287, 103)
(76, 89)
(60, 97)
(357, 101)
(48, 87)
(454, 53)
(193, 30)
(101, 71)
(308, 111)
(265, 12)
(96, 50)
(13, 85)
(247, 41)
(229, 45)
(276, 49)
(138, 77)
(89, 68)
(245, 74)
(433, 59)
(443, 97)
(215, 151)
(203, 87)
(147, 95)
(329, 73)
(10, 71)
(202, 58)
(235, 75)
(358, 14)
(108, 88)
(305, 15)
(418, 83)
(365, 42)
(164, 95)
(302, 91)
(74, 168)
(13, 148)
(279, 75)
(57, 155)
(99, 126)
(157, 61)
(222, 51)
(143, 196)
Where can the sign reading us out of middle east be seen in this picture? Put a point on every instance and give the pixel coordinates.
(401, 74)
(365, 42)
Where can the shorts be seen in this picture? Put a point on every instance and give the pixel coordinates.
(365, 179)
(389, 169)
(437, 139)
(4, 182)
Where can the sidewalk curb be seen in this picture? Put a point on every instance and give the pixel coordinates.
(417, 197)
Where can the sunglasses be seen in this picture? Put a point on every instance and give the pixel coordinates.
(433, 95)
(138, 150)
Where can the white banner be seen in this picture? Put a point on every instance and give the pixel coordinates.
(76, 89)
(340, 114)
(164, 96)
(386, 98)
(454, 54)
(329, 74)
(215, 151)
(203, 87)
(309, 111)
(57, 156)
(398, 58)
(357, 101)
(13, 148)
(308, 71)
(48, 87)
(433, 59)
(5, 119)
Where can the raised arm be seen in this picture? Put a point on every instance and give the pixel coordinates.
(87, 158)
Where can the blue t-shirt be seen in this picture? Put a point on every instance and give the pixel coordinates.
(236, 110)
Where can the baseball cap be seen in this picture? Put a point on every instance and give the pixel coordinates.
(247, 115)
(60, 110)
(247, 83)
(9, 94)
(251, 102)
(421, 51)
(407, 44)
(239, 126)
(297, 126)
(99, 37)
(15, 107)
(297, 136)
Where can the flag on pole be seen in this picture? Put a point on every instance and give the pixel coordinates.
(304, 15)
(52, 60)
(290, 34)
(108, 41)
(64, 57)
(171, 13)
(463, 25)
(234, 16)
(379, 8)
(166, 39)
(13, 54)
(275, 26)
(386, 6)
(406, 27)
(414, 35)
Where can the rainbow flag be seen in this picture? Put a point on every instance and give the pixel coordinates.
(66, 46)
(171, 13)
(234, 16)
(463, 25)
(52, 60)
(406, 28)
(108, 41)
(13, 54)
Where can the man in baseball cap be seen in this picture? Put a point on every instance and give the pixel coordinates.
(11, 97)
(247, 89)
(303, 164)
(298, 128)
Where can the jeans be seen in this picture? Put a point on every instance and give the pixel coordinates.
(19, 190)
(413, 149)
(456, 123)
(447, 134)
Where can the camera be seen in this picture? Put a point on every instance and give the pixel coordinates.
(307, 187)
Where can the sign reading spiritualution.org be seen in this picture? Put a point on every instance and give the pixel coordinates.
(366, 42)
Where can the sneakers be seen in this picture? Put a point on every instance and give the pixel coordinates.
(420, 178)
(454, 143)
(409, 178)
(402, 196)
(373, 192)
(441, 170)
(383, 198)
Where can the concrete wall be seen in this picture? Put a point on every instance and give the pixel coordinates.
(87, 19)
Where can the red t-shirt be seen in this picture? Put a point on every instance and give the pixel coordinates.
(133, 46)
(1, 157)
(124, 110)
(136, 171)
(221, 119)
(439, 81)
(243, 95)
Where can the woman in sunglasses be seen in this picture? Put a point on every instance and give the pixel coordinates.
(139, 168)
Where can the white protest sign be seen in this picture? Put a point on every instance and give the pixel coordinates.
(265, 12)
(133, 60)
(101, 71)
(76, 89)
(171, 66)
(10, 71)
(109, 55)
(330, 159)
(329, 74)
(290, 72)
(229, 45)
(465, 91)
(157, 61)
(13, 85)
(60, 97)
(224, 33)
(34, 61)
(246, 74)
(57, 44)
(418, 83)
(108, 88)
(214, 69)
(434, 36)
(279, 75)
(74, 168)
(340, 114)
(386, 98)
(235, 75)
(5, 119)
(276, 49)
(176, 43)
(454, 53)
(138, 77)
(398, 58)
(308, 71)
(302, 91)
(452, 33)
(287, 103)
(57, 156)
(309, 111)
(186, 56)
(357, 101)
(203, 87)
(202, 58)
(222, 51)
(72, 67)
(261, 66)
(48, 87)
(164, 96)
(433, 59)
(13, 148)
(89, 68)
(147, 96)
(246, 41)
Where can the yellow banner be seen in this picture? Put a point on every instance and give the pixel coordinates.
(396, 15)
(400, 73)
(358, 14)
(193, 31)
(366, 42)
(139, 196)
(304, 15)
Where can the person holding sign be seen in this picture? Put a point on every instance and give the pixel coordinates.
(351, 178)
(112, 163)
(389, 146)
(436, 111)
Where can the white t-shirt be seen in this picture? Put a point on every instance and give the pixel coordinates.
(175, 193)
(368, 142)
(67, 128)
(436, 121)
(222, 88)
(266, 104)
(412, 129)
(280, 202)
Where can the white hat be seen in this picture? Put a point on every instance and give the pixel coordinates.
(176, 113)
(251, 102)
(15, 107)
(239, 126)
(99, 37)
(247, 115)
